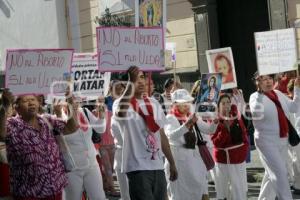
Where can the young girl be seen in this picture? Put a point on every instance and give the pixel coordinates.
(230, 151)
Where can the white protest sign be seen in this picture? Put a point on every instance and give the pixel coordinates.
(276, 51)
(37, 71)
(87, 80)
(121, 47)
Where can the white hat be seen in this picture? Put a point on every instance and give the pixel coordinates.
(181, 96)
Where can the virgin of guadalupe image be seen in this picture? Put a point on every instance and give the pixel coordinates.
(211, 94)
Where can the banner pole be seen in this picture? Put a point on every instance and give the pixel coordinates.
(137, 14)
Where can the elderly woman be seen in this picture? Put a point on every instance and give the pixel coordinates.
(269, 109)
(230, 151)
(191, 183)
(36, 170)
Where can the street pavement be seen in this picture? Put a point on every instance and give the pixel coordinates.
(255, 174)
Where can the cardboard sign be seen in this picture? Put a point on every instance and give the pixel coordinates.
(221, 60)
(121, 47)
(37, 71)
(87, 81)
(208, 96)
(276, 51)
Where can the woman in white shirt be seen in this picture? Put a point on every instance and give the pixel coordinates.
(191, 183)
(86, 176)
(271, 131)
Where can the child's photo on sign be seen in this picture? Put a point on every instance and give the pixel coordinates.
(209, 92)
(221, 60)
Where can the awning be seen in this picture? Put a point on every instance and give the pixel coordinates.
(181, 70)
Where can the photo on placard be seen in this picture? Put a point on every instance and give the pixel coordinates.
(208, 96)
(151, 13)
(221, 60)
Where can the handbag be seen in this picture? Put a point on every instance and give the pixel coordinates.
(64, 149)
(293, 136)
(203, 150)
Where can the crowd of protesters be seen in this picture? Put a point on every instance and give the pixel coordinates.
(151, 141)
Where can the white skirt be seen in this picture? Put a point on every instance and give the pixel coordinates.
(191, 183)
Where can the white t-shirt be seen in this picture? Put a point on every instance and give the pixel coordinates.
(136, 155)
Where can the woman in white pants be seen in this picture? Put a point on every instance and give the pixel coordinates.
(230, 151)
(86, 176)
(269, 108)
(122, 178)
(294, 152)
(191, 183)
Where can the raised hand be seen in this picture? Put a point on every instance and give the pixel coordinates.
(7, 99)
(133, 73)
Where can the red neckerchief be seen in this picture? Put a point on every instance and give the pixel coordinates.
(149, 119)
(152, 145)
(180, 117)
(83, 124)
(283, 124)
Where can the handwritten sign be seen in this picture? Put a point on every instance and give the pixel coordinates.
(87, 81)
(37, 71)
(120, 47)
(276, 51)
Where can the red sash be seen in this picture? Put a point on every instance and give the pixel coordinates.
(283, 124)
(149, 119)
(152, 126)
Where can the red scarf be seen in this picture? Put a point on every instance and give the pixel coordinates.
(149, 119)
(83, 124)
(152, 126)
(283, 124)
(180, 117)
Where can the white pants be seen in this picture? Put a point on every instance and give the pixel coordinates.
(234, 175)
(296, 165)
(122, 178)
(89, 180)
(123, 182)
(275, 182)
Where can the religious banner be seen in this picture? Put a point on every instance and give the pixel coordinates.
(150, 13)
(221, 60)
(208, 96)
(37, 71)
(122, 47)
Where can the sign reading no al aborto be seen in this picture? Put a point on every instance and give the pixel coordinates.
(37, 71)
(121, 47)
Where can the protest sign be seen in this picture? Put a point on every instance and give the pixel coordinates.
(221, 60)
(121, 47)
(37, 71)
(208, 96)
(276, 51)
(87, 81)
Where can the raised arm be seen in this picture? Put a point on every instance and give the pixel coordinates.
(6, 102)
(207, 128)
(97, 122)
(72, 124)
(128, 93)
